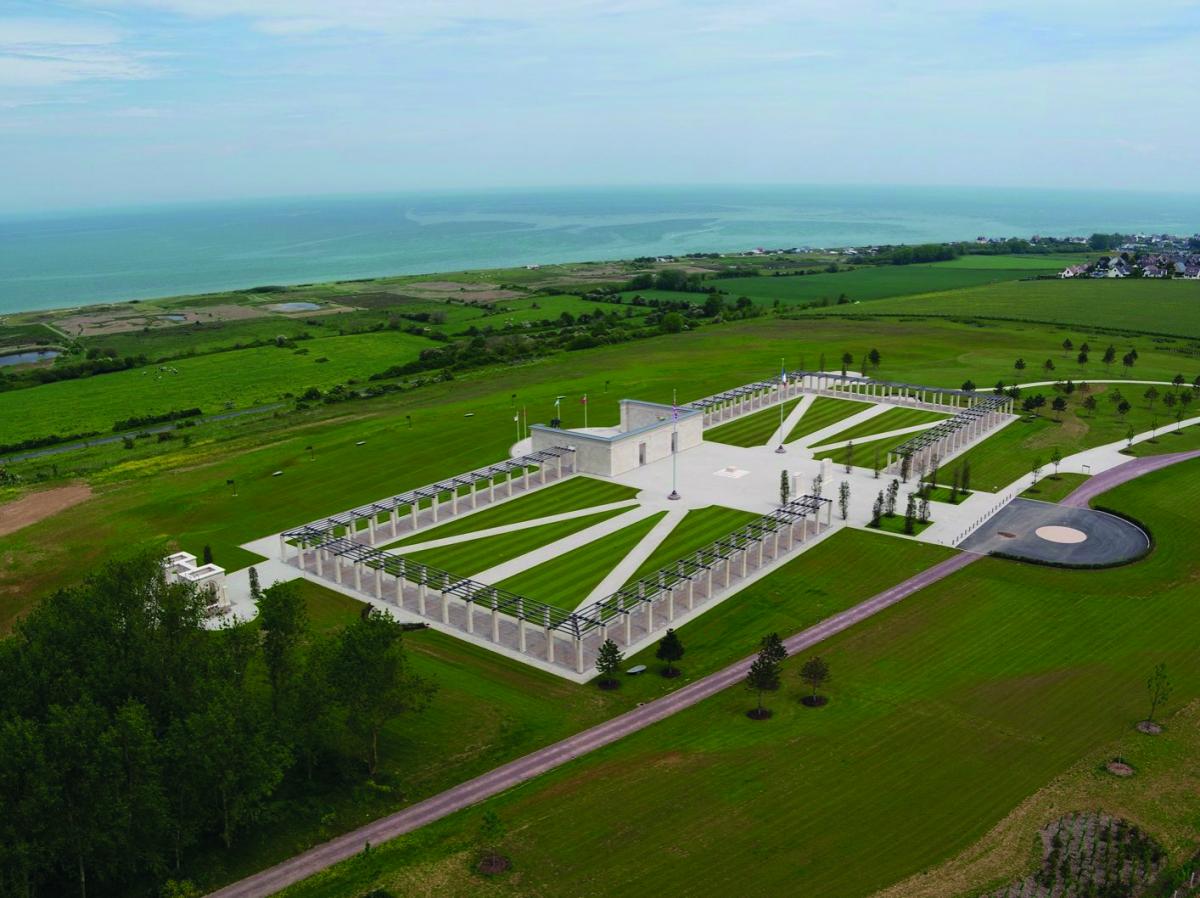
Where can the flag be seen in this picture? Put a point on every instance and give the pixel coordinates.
(516, 418)
(584, 399)
(782, 373)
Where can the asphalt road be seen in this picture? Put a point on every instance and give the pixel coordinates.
(272, 880)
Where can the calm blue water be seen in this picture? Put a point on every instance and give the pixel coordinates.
(65, 260)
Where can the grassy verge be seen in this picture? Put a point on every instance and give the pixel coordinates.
(1172, 440)
(825, 412)
(567, 580)
(895, 524)
(752, 430)
(892, 419)
(1054, 488)
(570, 495)
(699, 527)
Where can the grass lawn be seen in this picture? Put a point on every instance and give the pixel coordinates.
(558, 498)
(474, 555)
(1168, 440)
(942, 494)
(1145, 305)
(961, 702)
(1054, 489)
(862, 455)
(892, 419)
(750, 430)
(895, 524)
(567, 580)
(825, 412)
(699, 527)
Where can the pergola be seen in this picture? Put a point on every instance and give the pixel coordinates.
(947, 437)
(346, 523)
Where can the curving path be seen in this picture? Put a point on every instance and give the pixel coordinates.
(532, 765)
(1122, 473)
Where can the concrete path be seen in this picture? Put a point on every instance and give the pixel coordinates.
(624, 570)
(1114, 477)
(814, 438)
(536, 763)
(875, 437)
(507, 528)
(791, 420)
(550, 551)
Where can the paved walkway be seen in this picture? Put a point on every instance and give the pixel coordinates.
(617, 577)
(867, 438)
(536, 763)
(814, 438)
(791, 420)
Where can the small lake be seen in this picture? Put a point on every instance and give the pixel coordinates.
(28, 358)
(295, 307)
(178, 318)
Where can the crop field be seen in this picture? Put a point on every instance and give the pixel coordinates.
(1138, 305)
(569, 495)
(699, 527)
(750, 430)
(567, 580)
(825, 412)
(1039, 262)
(960, 701)
(238, 379)
(474, 555)
(892, 419)
(873, 283)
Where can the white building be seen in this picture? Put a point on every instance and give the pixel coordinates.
(182, 568)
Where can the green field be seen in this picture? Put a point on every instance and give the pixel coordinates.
(875, 282)
(567, 580)
(1169, 439)
(825, 412)
(959, 702)
(1139, 305)
(750, 430)
(699, 527)
(474, 555)
(1053, 488)
(892, 419)
(862, 455)
(240, 379)
(558, 498)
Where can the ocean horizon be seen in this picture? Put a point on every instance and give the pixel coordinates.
(60, 259)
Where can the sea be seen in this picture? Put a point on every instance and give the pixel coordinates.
(61, 259)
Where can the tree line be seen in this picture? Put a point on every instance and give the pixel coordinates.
(131, 735)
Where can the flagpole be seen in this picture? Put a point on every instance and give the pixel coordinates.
(674, 445)
(585, 411)
(782, 396)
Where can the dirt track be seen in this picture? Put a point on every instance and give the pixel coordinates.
(40, 505)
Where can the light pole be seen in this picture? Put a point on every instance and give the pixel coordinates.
(674, 445)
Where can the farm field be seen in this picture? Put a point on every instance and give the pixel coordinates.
(1137, 305)
(567, 580)
(238, 379)
(825, 412)
(750, 430)
(699, 527)
(892, 419)
(474, 555)
(960, 701)
(873, 283)
(569, 495)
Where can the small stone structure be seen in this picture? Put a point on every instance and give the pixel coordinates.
(648, 432)
(182, 568)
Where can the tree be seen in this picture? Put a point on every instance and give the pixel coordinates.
(785, 487)
(906, 466)
(876, 467)
(1151, 396)
(818, 484)
(815, 673)
(772, 647)
(255, 588)
(1082, 358)
(1110, 355)
(1159, 687)
(1089, 403)
(893, 491)
(670, 649)
(1048, 365)
(1019, 364)
(966, 477)
(874, 357)
(207, 554)
(672, 323)
(844, 499)
(1056, 458)
(923, 510)
(847, 361)
(1059, 405)
(849, 456)
(491, 831)
(283, 622)
(1127, 361)
(910, 515)
(1067, 346)
(1123, 407)
(763, 676)
(1129, 435)
(968, 386)
(372, 679)
(608, 662)
(877, 510)
(1035, 469)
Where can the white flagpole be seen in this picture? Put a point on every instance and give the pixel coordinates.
(674, 444)
(585, 411)
(782, 396)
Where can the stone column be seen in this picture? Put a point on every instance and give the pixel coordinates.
(521, 634)
(469, 607)
(578, 654)
(434, 506)
(445, 607)
(283, 551)
(474, 504)
(379, 583)
(371, 528)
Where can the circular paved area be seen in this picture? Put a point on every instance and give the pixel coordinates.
(1038, 531)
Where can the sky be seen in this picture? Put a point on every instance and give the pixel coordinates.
(127, 102)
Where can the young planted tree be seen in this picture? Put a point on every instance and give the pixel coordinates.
(876, 466)
(1019, 365)
(849, 456)
(910, 515)
(1159, 687)
(893, 493)
(847, 361)
(906, 467)
(818, 484)
(815, 673)
(763, 676)
(1067, 346)
(1089, 403)
(1082, 358)
(1129, 435)
(1048, 365)
(670, 649)
(966, 477)
(491, 831)
(1056, 458)
(1035, 469)
(1151, 396)
(877, 510)
(954, 487)
(1123, 408)
(608, 663)
(969, 386)
(874, 358)
(923, 510)
(785, 487)
(772, 647)
(844, 499)
(255, 589)
(1059, 405)
(207, 554)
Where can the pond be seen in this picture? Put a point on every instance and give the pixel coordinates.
(174, 317)
(28, 357)
(295, 307)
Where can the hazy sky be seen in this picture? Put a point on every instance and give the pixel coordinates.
(132, 101)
